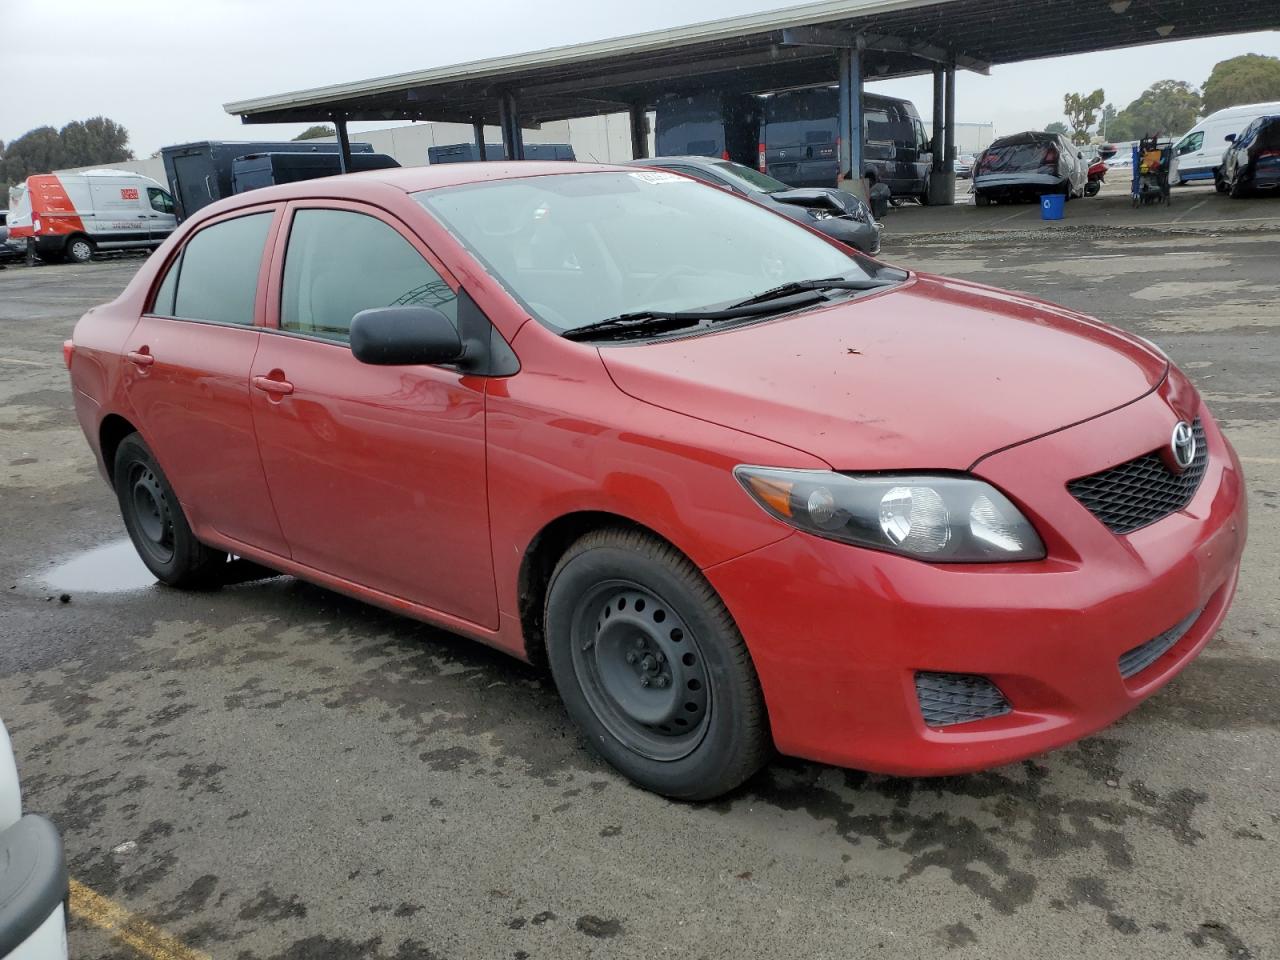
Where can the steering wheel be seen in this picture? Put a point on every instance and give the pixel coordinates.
(666, 276)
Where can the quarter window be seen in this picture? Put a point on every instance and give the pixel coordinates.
(339, 263)
(216, 278)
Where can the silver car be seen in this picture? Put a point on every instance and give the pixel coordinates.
(1026, 166)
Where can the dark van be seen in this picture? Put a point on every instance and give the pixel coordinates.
(722, 126)
(800, 141)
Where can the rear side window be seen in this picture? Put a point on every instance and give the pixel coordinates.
(339, 263)
(216, 278)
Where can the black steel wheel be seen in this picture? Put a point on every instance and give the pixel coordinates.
(156, 524)
(641, 670)
(651, 667)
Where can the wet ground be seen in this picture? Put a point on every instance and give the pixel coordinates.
(273, 771)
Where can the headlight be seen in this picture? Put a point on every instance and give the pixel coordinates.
(943, 519)
(820, 214)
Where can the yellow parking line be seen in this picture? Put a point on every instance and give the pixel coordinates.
(146, 940)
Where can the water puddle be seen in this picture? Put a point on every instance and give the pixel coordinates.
(114, 568)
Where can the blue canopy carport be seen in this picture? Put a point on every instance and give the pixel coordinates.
(833, 41)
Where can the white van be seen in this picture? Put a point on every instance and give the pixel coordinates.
(1199, 153)
(69, 215)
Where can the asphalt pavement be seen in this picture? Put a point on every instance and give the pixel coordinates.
(274, 771)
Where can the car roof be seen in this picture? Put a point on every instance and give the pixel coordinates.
(687, 158)
(367, 184)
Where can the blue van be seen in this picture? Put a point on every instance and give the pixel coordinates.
(717, 125)
(800, 141)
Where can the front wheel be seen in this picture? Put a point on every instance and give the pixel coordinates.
(156, 524)
(651, 667)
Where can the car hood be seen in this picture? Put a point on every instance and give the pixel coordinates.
(821, 197)
(932, 374)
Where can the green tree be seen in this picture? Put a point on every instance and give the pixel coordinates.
(1081, 111)
(318, 130)
(1252, 78)
(36, 151)
(96, 140)
(1056, 127)
(1167, 108)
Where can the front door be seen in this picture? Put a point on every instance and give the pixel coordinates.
(187, 378)
(160, 216)
(377, 473)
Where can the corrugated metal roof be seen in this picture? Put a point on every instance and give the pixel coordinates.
(756, 52)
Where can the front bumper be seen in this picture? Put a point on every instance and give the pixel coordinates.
(863, 235)
(838, 634)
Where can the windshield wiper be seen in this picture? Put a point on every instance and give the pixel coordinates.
(661, 321)
(801, 286)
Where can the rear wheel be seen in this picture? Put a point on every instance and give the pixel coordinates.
(78, 249)
(652, 668)
(981, 199)
(156, 524)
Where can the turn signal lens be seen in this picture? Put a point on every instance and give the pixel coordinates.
(942, 518)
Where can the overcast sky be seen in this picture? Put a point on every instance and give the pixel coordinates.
(164, 68)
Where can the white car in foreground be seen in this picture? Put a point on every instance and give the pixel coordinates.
(33, 875)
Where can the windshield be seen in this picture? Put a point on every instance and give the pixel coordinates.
(577, 248)
(754, 179)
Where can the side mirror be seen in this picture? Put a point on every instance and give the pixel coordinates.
(1230, 138)
(396, 336)
(1079, 155)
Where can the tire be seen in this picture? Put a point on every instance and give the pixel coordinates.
(651, 667)
(1219, 184)
(1237, 190)
(981, 199)
(78, 249)
(156, 524)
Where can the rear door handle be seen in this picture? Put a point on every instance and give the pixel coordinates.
(142, 358)
(281, 387)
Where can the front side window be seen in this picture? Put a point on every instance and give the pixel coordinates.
(161, 202)
(338, 263)
(1191, 143)
(216, 277)
(577, 248)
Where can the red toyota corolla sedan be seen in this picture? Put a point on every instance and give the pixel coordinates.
(741, 488)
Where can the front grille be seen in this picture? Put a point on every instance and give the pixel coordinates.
(1145, 654)
(950, 698)
(1143, 490)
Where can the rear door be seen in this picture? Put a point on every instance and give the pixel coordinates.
(187, 377)
(377, 473)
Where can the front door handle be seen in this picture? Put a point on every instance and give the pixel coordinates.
(271, 385)
(141, 358)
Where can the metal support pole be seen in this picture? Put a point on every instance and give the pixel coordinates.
(477, 131)
(851, 117)
(509, 120)
(639, 131)
(344, 144)
(938, 108)
(948, 194)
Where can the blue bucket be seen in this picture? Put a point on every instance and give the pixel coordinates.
(1053, 206)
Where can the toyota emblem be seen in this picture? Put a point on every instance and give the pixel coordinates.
(1183, 445)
